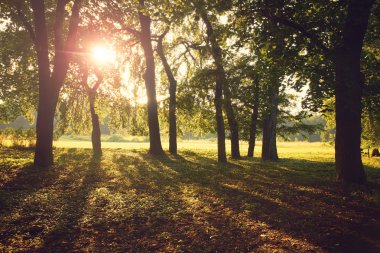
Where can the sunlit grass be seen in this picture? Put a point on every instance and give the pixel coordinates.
(284, 148)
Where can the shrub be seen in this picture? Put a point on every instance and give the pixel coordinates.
(22, 137)
(116, 138)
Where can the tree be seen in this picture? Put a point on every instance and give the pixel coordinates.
(172, 95)
(269, 146)
(221, 87)
(371, 91)
(344, 52)
(92, 92)
(122, 14)
(150, 82)
(245, 76)
(220, 80)
(348, 94)
(51, 74)
(18, 75)
(254, 117)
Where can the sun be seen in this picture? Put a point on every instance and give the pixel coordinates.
(102, 55)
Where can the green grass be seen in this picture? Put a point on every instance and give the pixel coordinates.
(105, 138)
(129, 201)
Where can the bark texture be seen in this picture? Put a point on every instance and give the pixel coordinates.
(269, 147)
(220, 87)
(232, 122)
(254, 116)
(172, 97)
(348, 86)
(50, 82)
(47, 103)
(150, 84)
(348, 94)
(95, 135)
(91, 92)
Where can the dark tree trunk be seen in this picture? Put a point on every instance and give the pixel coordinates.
(172, 99)
(50, 82)
(232, 123)
(47, 102)
(254, 116)
(348, 94)
(48, 97)
(221, 135)
(220, 87)
(95, 135)
(269, 146)
(348, 88)
(150, 84)
(91, 92)
(134, 127)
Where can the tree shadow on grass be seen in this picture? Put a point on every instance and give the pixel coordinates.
(45, 205)
(67, 229)
(298, 197)
(135, 202)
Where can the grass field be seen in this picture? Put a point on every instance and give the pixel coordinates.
(129, 201)
(294, 149)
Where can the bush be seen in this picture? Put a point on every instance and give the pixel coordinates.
(116, 138)
(22, 137)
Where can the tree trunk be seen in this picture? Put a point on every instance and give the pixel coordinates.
(134, 127)
(269, 146)
(95, 135)
(232, 122)
(48, 97)
(220, 86)
(150, 84)
(50, 82)
(221, 135)
(172, 99)
(348, 94)
(348, 108)
(254, 116)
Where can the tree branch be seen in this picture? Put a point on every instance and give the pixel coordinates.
(118, 14)
(73, 26)
(20, 14)
(98, 82)
(58, 25)
(62, 57)
(131, 31)
(296, 26)
(161, 37)
(84, 70)
(41, 38)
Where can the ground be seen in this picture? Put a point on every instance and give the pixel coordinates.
(129, 201)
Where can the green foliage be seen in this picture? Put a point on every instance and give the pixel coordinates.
(253, 47)
(18, 73)
(22, 137)
(370, 129)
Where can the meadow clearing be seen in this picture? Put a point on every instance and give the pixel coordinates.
(129, 201)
